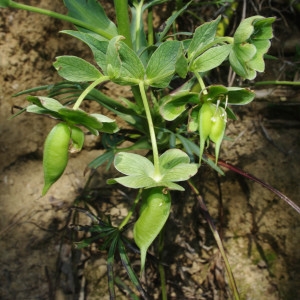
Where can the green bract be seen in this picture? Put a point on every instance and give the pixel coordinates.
(154, 213)
(251, 42)
(55, 158)
(174, 165)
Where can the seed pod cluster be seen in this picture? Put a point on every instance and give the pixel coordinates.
(212, 124)
(155, 211)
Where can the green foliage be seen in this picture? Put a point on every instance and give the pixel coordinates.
(91, 12)
(251, 42)
(76, 69)
(172, 125)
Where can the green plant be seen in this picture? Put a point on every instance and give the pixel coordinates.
(173, 125)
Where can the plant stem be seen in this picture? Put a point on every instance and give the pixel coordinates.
(137, 25)
(161, 267)
(53, 14)
(201, 83)
(217, 238)
(121, 8)
(151, 130)
(127, 218)
(277, 82)
(150, 27)
(88, 89)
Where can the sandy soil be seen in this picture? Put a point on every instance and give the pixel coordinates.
(261, 232)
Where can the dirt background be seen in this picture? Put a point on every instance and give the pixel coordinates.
(261, 232)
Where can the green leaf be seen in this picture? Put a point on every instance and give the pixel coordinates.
(214, 93)
(135, 181)
(108, 157)
(257, 62)
(240, 96)
(133, 164)
(108, 125)
(211, 58)
(95, 42)
(181, 66)
(161, 66)
(171, 158)
(245, 52)
(172, 106)
(245, 29)
(263, 29)
(92, 13)
(240, 67)
(174, 166)
(123, 64)
(203, 35)
(170, 22)
(230, 95)
(76, 69)
(79, 117)
(133, 277)
(51, 104)
(37, 109)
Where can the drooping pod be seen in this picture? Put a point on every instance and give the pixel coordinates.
(206, 114)
(212, 124)
(155, 211)
(55, 158)
(218, 129)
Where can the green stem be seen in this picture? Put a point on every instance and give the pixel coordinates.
(137, 27)
(218, 240)
(277, 82)
(88, 90)
(151, 130)
(52, 14)
(150, 27)
(127, 218)
(161, 267)
(121, 8)
(201, 83)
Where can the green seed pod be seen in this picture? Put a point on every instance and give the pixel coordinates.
(77, 137)
(154, 214)
(206, 114)
(218, 129)
(55, 157)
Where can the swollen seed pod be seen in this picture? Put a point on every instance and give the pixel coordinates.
(218, 129)
(55, 156)
(154, 214)
(206, 114)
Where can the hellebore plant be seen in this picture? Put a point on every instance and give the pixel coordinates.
(173, 125)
